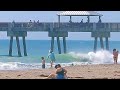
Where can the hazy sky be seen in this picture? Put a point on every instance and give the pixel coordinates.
(50, 16)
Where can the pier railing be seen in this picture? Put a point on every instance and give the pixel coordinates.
(70, 27)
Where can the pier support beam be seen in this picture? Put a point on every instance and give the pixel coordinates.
(64, 44)
(107, 44)
(58, 43)
(18, 46)
(95, 44)
(24, 46)
(10, 48)
(52, 44)
(101, 43)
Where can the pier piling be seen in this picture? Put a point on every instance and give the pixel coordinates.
(24, 46)
(101, 43)
(52, 43)
(95, 44)
(10, 47)
(58, 43)
(107, 44)
(64, 44)
(18, 46)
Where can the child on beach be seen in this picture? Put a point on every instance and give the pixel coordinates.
(43, 62)
(115, 56)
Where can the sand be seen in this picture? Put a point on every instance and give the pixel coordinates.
(110, 71)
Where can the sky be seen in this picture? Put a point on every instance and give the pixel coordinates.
(50, 16)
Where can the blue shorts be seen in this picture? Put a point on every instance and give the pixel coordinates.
(60, 76)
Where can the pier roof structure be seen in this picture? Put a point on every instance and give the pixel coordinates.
(79, 13)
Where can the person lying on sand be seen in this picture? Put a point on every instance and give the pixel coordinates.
(60, 73)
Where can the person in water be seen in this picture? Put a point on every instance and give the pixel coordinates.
(60, 73)
(115, 56)
(43, 62)
(52, 57)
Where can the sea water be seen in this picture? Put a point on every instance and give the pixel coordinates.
(78, 53)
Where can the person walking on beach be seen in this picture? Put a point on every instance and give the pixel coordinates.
(115, 56)
(43, 62)
(52, 57)
(60, 73)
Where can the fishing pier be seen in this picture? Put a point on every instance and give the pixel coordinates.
(98, 30)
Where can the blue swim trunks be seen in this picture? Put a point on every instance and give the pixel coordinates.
(60, 76)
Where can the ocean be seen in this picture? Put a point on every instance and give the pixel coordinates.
(78, 53)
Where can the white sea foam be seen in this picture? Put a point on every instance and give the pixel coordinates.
(8, 66)
(100, 57)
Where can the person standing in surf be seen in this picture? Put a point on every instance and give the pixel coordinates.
(43, 62)
(51, 55)
(115, 56)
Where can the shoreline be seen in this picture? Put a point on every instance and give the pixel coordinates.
(101, 71)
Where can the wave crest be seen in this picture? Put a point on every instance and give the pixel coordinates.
(100, 57)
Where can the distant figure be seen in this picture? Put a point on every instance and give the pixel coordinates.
(34, 23)
(13, 23)
(99, 23)
(115, 56)
(38, 22)
(88, 20)
(30, 24)
(52, 57)
(30, 21)
(60, 73)
(81, 21)
(43, 62)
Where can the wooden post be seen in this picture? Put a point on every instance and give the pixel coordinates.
(10, 48)
(95, 44)
(18, 46)
(52, 43)
(58, 42)
(107, 44)
(24, 46)
(64, 44)
(101, 42)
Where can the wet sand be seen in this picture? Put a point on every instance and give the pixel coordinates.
(110, 71)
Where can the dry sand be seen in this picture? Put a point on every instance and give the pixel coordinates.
(74, 72)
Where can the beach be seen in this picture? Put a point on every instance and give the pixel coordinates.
(103, 71)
